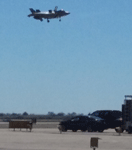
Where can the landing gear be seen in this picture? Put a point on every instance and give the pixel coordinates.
(48, 20)
(59, 19)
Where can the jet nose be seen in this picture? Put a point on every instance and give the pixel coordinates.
(67, 12)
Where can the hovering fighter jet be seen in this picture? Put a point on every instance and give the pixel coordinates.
(48, 14)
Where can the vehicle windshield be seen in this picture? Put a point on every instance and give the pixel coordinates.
(95, 117)
(107, 114)
(75, 119)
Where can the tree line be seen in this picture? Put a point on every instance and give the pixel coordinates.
(25, 115)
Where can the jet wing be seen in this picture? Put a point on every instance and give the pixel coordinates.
(32, 10)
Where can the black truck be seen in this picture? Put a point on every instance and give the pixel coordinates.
(112, 118)
(83, 123)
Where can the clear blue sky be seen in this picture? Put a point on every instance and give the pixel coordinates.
(81, 64)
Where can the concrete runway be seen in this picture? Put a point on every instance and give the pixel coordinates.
(51, 139)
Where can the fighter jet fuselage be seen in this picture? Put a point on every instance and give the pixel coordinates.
(51, 14)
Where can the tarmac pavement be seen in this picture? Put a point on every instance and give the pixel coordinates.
(51, 139)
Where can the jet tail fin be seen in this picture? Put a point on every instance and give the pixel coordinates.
(32, 10)
(56, 7)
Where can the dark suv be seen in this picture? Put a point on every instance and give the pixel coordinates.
(112, 118)
(83, 123)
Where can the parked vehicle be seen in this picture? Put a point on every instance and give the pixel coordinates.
(112, 118)
(83, 123)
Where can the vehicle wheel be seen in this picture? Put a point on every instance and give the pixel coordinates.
(101, 130)
(130, 130)
(74, 130)
(94, 130)
(83, 130)
(90, 129)
(117, 130)
(63, 129)
(122, 130)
